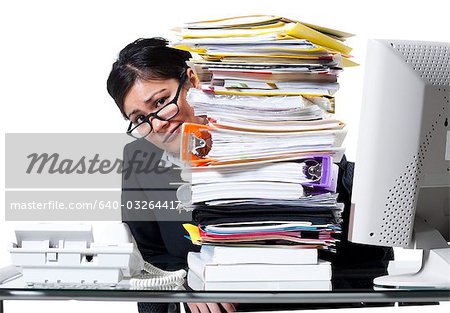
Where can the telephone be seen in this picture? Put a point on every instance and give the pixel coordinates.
(85, 254)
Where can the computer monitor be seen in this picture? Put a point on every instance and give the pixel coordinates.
(401, 184)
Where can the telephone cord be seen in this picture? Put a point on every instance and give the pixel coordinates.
(155, 277)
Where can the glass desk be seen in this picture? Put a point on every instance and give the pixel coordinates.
(348, 287)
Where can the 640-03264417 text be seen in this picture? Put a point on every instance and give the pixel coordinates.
(96, 205)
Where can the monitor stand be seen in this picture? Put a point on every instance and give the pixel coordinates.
(435, 270)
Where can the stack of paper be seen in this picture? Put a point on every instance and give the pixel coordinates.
(281, 181)
(197, 283)
(276, 113)
(221, 145)
(210, 271)
(261, 174)
(299, 234)
(231, 268)
(266, 55)
(261, 224)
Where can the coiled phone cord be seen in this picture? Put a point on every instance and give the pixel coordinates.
(155, 277)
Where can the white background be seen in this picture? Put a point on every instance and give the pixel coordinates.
(55, 57)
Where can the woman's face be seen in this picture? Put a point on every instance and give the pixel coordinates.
(149, 96)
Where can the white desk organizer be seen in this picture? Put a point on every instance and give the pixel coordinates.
(56, 253)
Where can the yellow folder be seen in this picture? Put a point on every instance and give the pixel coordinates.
(304, 32)
(263, 25)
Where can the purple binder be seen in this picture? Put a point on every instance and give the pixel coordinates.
(320, 170)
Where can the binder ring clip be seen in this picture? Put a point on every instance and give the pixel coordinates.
(196, 145)
(200, 143)
(314, 169)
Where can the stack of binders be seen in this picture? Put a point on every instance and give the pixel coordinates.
(262, 175)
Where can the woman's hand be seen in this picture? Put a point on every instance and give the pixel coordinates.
(211, 307)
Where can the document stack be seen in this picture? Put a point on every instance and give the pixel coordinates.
(262, 178)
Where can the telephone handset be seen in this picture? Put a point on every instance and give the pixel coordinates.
(80, 253)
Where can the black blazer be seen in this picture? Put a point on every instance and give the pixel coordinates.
(144, 181)
(352, 259)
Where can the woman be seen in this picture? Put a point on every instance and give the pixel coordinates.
(147, 76)
(149, 82)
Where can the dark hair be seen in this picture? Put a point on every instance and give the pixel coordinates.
(144, 59)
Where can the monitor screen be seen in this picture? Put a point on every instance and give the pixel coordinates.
(402, 172)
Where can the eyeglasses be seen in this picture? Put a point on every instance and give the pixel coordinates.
(166, 113)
